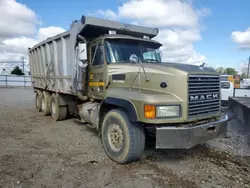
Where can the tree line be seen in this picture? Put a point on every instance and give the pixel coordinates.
(17, 71)
(231, 71)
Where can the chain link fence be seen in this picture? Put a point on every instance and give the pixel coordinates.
(11, 80)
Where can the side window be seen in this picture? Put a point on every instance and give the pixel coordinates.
(97, 54)
(149, 55)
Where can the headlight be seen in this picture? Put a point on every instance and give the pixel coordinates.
(167, 111)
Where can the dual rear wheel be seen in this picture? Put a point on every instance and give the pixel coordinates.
(49, 104)
(58, 112)
(38, 100)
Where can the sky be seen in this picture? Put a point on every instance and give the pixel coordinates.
(191, 31)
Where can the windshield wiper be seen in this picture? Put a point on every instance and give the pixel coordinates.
(138, 74)
(152, 60)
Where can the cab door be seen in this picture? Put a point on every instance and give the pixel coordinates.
(97, 72)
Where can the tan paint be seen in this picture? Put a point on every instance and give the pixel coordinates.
(149, 92)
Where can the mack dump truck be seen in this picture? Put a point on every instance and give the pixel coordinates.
(110, 76)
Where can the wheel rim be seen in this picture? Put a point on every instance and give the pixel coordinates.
(43, 104)
(115, 137)
(53, 107)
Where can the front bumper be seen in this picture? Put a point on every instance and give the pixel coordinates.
(188, 137)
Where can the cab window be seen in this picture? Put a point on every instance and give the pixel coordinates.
(97, 55)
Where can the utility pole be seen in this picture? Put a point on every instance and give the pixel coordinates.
(248, 67)
(22, 58)
(24, 83)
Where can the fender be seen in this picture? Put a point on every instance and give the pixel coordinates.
(123, 103)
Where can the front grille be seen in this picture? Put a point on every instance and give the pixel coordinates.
(204, 95)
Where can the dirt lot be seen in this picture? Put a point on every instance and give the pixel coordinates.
(35, 151)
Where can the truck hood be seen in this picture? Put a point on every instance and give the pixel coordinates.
(159, 71)
(190, 69)
(126, 84)
(170, 69)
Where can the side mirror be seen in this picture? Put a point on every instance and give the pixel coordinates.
(83, 51)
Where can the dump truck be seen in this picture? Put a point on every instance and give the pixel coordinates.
(111, 77)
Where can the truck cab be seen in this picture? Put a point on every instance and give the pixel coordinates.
(109, 51)
(120, 86)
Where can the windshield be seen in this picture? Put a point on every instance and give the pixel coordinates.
(120, 51)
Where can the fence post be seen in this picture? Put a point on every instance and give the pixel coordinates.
(24, 84)
(6, 81)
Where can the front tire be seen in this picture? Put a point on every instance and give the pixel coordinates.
(58, 112)
(123, 140)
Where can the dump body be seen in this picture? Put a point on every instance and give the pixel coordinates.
(52, 64)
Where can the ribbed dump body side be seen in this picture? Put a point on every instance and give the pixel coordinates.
(51, 64)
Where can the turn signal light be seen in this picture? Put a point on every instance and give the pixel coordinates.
(149, 111)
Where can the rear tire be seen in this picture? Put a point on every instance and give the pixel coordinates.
(38, 100)
(58, 112)
(123, 140)
(45, 103)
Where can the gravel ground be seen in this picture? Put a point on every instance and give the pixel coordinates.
(35, 151)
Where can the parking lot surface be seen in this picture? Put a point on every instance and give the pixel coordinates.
(36, 151)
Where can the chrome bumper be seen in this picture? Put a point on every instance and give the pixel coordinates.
(188, 137)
